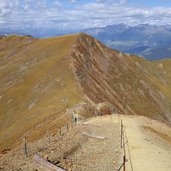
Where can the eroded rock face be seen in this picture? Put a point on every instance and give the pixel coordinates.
(106, 108)
(83, 110)
(129, 83)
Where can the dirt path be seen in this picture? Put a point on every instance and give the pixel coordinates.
(149, 144)
(79, 149)
(95, 145)
(97, 154)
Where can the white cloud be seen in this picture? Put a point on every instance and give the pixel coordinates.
(116, 2)
(39, 13)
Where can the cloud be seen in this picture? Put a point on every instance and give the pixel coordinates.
(73, 0)
(116, 2)
(76, 15)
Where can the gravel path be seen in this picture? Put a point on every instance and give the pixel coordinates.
(97, 154)
(95, 146)
(75, 152)
(149, 144)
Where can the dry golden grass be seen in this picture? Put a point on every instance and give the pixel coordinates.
(36, 82)
(40, 78)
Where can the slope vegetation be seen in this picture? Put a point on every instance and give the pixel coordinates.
(40, 78)
(36, 81)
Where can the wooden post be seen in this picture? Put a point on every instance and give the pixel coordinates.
(121, 133)
(49, 138)
(67, 127)
(124, 161)
(25, 147)
(75, 120)
(124, 143)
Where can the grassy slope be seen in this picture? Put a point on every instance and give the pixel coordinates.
(163, 71)
(36, 82)
(158, 74)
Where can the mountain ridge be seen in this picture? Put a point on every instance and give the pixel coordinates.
(128, 38)
(123, 37)
(41, 78)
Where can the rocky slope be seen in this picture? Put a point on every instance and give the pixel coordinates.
(148, 147)
(40, 78)
(133, 85)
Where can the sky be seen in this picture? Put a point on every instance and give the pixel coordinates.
(81, 14)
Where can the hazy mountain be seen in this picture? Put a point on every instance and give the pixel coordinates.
(156, 53)
(41, 78)
(143, 39)
(136, 39)
(36, 32)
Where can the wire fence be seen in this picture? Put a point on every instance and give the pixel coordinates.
(51, 135)
(62, 130)
(124, 144)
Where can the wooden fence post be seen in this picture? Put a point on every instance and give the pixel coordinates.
(124, 161)
(25, 147)
(121, 132)
(124, 142)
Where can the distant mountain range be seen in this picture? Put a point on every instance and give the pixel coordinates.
(149, 41)
(36, 32)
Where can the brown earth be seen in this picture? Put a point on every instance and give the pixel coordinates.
(149, 144)
(146, 150)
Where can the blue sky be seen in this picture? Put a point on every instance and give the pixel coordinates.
(150, 3)
(76, 14)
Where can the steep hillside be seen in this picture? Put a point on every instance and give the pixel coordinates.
(40, 78)
(36, 81)
(132, 84)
